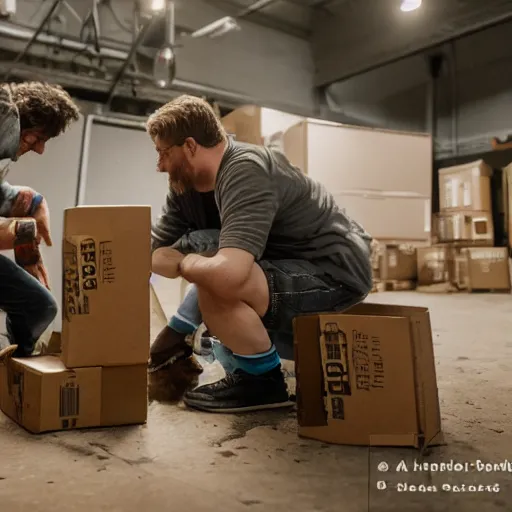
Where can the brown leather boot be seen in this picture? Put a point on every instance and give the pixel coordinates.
(168, 347)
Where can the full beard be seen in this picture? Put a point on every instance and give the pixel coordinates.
(179, 181)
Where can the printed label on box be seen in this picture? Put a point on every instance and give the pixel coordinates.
(334, 353)
(87, 263)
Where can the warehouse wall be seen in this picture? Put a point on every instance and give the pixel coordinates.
(474, 104)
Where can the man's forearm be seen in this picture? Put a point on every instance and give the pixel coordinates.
(18, 201)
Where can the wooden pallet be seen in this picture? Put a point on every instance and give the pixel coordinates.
(394, 286)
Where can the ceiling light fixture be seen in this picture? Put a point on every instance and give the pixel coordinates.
(158, 5)
(410, 5)
(164, 65)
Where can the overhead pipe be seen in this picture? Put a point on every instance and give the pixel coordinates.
(34, 36)
(108, 52)
(25, 34)
(128, 60)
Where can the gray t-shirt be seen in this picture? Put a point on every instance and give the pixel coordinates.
(271, 209)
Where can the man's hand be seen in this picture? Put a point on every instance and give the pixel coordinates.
(166, 261)
(38, 270)
(42, 217)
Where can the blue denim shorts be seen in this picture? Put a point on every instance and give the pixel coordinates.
(301, 287)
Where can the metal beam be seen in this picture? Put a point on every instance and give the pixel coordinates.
(233, 9)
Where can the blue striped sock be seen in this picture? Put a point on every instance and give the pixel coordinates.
(257, 364)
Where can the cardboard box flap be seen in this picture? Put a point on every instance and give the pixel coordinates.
(310, 409)
(477, 168)
(391, 310)
(42, 364)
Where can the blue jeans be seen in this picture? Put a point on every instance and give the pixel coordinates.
(296, 286)
(29, 306)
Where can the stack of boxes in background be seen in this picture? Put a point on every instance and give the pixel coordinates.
(463, 255)
(99, 375)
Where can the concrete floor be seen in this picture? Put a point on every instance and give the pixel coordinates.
(184, 460)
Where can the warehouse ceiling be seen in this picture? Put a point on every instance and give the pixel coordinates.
(345, 38)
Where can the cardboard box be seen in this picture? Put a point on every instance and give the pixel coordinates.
(398, 263)
(376, 176)
(507, 186)
(106, 299)
(483, 268)
(367, 377)
(435, 265)
(257, 125)
(468, 226)
(466, 187)
(42, 395)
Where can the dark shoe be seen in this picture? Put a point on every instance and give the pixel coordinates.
(170, 383)
(241, 392)
(168, 347)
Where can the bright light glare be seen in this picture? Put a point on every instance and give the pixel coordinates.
(410, 5)
(158, 5)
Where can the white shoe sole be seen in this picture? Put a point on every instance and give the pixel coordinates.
(199, 405)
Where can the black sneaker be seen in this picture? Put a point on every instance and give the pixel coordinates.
(241, 392)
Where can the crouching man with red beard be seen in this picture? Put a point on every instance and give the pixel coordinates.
(284, 249)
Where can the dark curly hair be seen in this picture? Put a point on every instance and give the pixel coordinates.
(44, 106)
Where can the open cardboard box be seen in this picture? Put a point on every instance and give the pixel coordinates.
(367, 377)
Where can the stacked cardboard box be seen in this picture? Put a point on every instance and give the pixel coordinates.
(394, 266)
(463, 256)
(99, 376)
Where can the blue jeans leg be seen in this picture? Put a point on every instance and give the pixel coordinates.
(29, 306)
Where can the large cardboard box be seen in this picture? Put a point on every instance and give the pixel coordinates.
(106, 299)
(367, 377)
(42, 395)
(258, 125)
(466, 187)
(464, 226)
(435, 265)
(381, 178)
(483, 268)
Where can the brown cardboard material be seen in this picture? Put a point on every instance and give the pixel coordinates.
(435, 265)
(42, 395)
(483, 268)
(398, 263)
(257, 125)
(469, 226)
(106, 300)
(507, 186)
(466, 187)
(374, 364)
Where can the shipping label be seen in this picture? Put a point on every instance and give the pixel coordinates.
(87, 264)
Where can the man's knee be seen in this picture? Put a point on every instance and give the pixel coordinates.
(45, 308)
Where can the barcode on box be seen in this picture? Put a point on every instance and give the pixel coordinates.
(69, 401)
